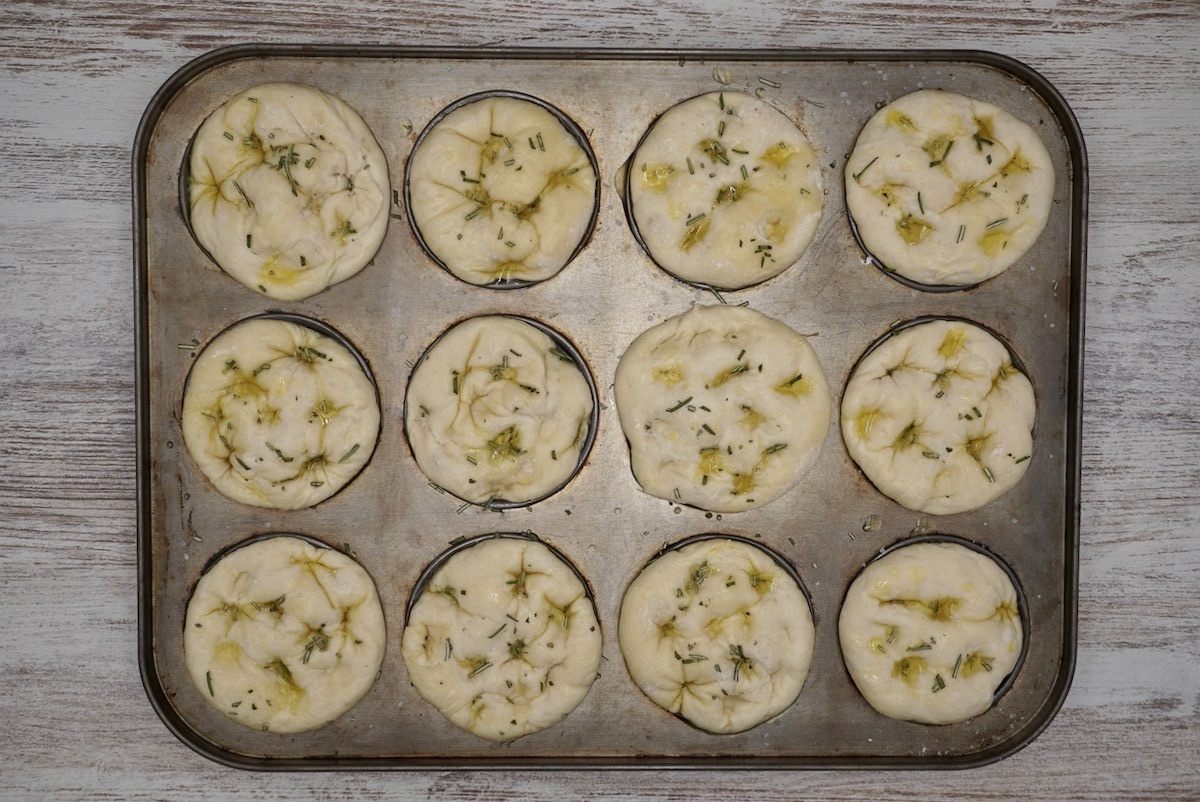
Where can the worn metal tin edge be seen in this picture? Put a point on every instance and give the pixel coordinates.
(1020, 739)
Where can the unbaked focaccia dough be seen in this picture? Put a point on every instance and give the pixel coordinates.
(500, 190)
(288, 190)
(276, 414)
(496, 411)
(725, 190)
(718, 633)
(948, 190)
(939, 418)
(503, 639)
(929, 632)
(283, 635)
(724, 408)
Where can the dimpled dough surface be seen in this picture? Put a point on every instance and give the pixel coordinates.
(718, 633)
(725, 190)
(282, 635)
(930, 631)
(939, 418)
(724, 408)
(288, 190)
(495, 410)
(946, 189)
(501, 191)
(503, 640)
(278, 415)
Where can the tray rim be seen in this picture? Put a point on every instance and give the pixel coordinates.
(1056, 694)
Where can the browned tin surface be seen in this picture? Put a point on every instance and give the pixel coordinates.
(395, 523)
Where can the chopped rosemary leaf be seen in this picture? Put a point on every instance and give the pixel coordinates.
(680, 405)
(349, 453)
(863, 170)
(945, 153)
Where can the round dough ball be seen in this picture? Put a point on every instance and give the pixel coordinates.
(276, 414)
(503, 639)
(501, 190)
(948, 190)
(725, 191)
(498, 412)
(929, 632)
(283, 635)
(938, 417)
(718, 633)
(724, 408)
(288, 190)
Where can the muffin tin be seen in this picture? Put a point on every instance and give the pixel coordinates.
(394, 523)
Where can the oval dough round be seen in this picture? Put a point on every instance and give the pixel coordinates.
(948, 190)
(724, 408)
(939, 418)
(282, 635)
(718, 633)
(725, 190)
(500, 190)
(503, 639)
(496, 411)
(288, 190)
(929, 632)
(276, 414)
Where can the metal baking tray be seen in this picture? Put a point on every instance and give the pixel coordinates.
(395, 523)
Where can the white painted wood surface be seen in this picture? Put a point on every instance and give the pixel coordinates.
(74, 80)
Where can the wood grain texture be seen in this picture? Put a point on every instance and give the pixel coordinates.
(74, 80)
